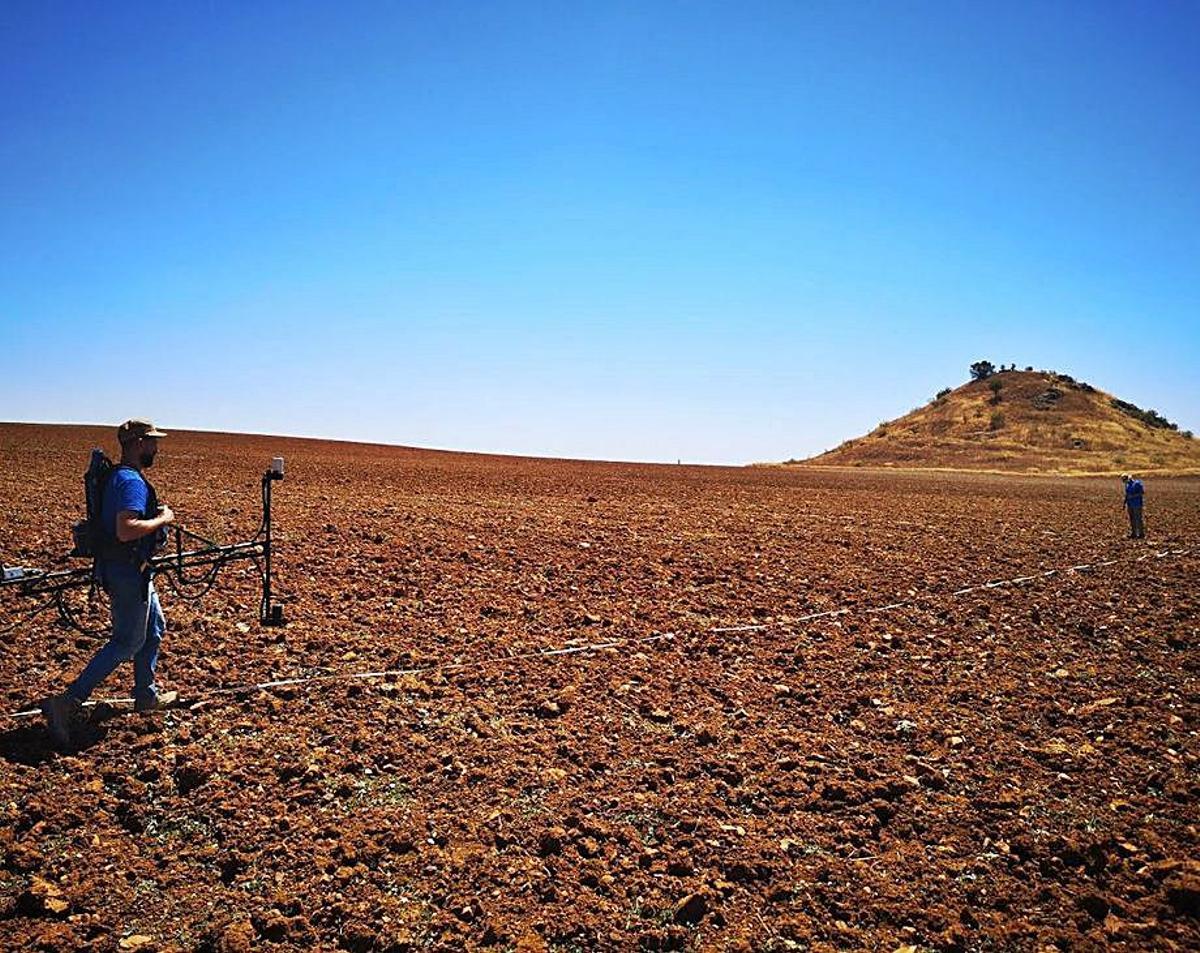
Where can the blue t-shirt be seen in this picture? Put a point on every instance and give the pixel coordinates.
(128, 490)
(1133, 493)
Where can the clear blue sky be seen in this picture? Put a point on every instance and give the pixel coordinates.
(720, 232)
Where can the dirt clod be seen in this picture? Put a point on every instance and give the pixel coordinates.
(691, 909)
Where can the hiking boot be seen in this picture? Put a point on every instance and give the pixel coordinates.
(156, 701)
(59, 711)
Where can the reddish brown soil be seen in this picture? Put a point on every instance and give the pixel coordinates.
(1014, 768)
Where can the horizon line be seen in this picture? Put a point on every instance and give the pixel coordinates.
(403, 446)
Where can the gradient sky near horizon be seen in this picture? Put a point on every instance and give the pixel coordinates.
(715, 232)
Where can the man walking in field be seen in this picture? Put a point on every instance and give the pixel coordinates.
(131, 519)
(1133, 505)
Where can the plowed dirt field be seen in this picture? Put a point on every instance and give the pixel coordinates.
(867, 758)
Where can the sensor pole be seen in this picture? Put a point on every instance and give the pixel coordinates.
(271, 614)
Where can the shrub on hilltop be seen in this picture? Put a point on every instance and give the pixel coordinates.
(1151, 418)
(982, 370)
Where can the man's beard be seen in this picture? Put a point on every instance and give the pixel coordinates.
(147, 460)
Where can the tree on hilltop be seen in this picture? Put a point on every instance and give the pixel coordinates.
(982, 370)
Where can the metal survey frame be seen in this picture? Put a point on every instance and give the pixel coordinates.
(211, 556)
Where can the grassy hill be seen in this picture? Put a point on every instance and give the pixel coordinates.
(1025, 421)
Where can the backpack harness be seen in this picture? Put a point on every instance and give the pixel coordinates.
(93, 540)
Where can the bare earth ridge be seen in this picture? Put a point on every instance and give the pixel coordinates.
(879, 750)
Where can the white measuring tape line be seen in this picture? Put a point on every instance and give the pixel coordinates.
(597, 646)
(385, 673)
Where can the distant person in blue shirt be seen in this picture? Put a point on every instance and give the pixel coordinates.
(133, 521)
(1134, 491)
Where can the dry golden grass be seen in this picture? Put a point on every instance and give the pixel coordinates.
(1036, 423)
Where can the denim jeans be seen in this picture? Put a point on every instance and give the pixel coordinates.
(137, 630)
(1137, 528)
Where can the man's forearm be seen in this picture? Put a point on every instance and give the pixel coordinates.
(131, 530)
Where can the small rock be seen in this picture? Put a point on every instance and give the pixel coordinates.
(1183, 893)
(43, 888)
(589, 847)
(43, 896)
(1094, 905)
(680, 867)
(691, 909)
(551, 841)
(531, 943)
(358, 938)
(189, 776)
(136, 941)
(275, 927)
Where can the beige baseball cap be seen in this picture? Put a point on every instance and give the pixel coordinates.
(132, 429)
